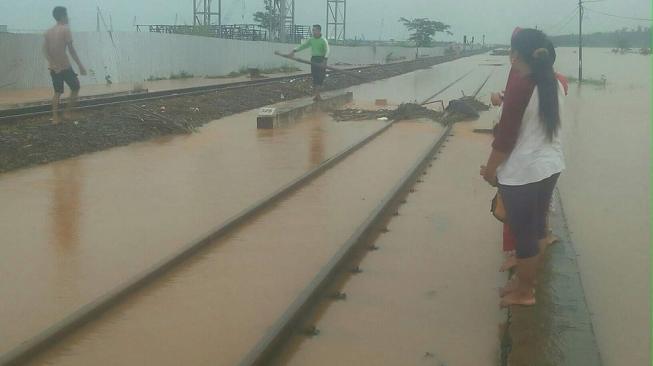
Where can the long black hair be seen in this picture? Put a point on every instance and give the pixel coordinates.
(536, 50)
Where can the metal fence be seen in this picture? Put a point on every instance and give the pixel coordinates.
(243, 32)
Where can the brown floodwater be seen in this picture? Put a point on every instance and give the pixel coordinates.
(428, 295)
(77, 228)
(215, 307)
(606, 196)
(421, 84)
(605, 191)
(74, 229)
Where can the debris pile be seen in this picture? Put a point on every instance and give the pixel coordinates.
(353, 114)
(462, 109)
(413, 111)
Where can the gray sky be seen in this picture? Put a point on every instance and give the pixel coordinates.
(369, 18)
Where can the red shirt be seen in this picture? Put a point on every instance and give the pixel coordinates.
(517, 96)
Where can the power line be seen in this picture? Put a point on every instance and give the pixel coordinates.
(564, 22)
(570, 15)
(619, 16)
(567, 22)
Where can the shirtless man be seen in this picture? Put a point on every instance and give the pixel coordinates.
(58, 40)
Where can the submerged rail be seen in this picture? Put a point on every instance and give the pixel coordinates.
(87, 313)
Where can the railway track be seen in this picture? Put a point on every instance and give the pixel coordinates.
(112, 100)
(342, 262)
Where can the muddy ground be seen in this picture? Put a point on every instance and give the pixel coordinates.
(30, 141)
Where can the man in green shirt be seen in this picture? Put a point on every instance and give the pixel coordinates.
(319, 55)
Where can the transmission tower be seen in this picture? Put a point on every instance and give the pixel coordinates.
(202, 14)
(336, 20)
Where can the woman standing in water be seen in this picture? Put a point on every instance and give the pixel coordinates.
(526, 157)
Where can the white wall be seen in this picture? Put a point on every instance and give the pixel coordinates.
(133, 56)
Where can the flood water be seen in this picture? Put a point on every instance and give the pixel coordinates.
(90, 223)
(428, 295)
(74, 229)
(605, 194)
(86, 224)
(605, 189)
(215, 307)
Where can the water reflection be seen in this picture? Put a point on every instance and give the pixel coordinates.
(316, 149)
(65, 209)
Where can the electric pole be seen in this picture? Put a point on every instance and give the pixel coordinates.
(580, 41)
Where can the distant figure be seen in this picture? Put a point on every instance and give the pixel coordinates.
(319, 55)
(58, 40)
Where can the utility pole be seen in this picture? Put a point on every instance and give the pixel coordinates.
(580, 41)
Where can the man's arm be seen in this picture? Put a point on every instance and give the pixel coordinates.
(73, 52)
(306, 44)
(327, 49)
(46, 51)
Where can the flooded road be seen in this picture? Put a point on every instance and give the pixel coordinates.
(215, 307)
(605, 193)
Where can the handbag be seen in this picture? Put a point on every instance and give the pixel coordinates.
(497, 208)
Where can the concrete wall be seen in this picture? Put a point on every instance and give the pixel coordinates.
(133, 57)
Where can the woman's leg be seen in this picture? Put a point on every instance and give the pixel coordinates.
(508, 249)
(521, 204)
(524, 291)
(545, 195)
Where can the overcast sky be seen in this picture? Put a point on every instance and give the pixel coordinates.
(372, 19)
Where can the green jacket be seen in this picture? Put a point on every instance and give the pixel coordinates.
(319, 46)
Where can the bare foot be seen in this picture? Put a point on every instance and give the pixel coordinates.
(518, 298)
(510, 262)
(551, 239)
(509, 287)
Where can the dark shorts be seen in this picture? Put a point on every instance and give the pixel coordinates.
(527, 207)
(318, 73)
(67, 75)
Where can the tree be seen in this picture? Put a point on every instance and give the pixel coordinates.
(423, 30)
(267, 18)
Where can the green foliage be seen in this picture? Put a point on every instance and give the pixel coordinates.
(423, 30)
(156, 78)
(636, 38)
(267, 18)
(181, 75)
